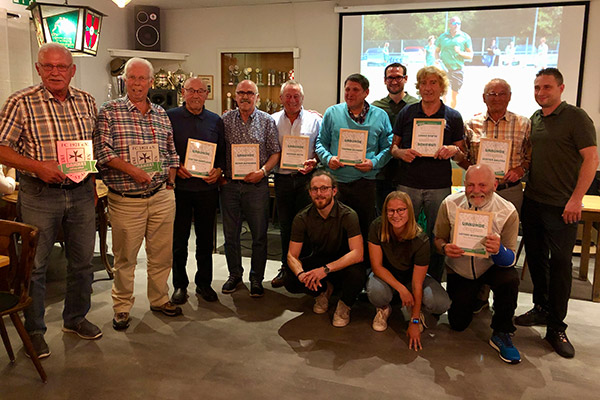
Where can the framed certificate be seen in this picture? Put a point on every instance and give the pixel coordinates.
(294, 151)
(428, 135)
(352, 147)
(470, 230)
(245, 158)
(199, 157)
(495, 153)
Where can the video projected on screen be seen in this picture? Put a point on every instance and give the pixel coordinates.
(473, 46)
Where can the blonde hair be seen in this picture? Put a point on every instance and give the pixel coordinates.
(411, 229)
(438, 73)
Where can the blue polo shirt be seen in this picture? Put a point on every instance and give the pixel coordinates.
(206, 126)
(427, 172)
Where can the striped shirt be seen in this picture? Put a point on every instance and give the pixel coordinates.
(510, 127)
(121, 124)
(33, 120)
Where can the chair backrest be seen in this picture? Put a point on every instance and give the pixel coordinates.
(17, 241)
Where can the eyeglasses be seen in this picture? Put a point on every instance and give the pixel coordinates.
(242, 93)
(392, 211)
(50, 67)
(137, 78)
(454, 23)
(395, 78)
(194, 91)
(494, 94)
(321, 189)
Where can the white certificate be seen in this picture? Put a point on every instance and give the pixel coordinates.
(294, 151)
(245, 158)
(428, 135)
(352, 147)
(146, 157)
(470, 230)
(199, 157)
(495, 153)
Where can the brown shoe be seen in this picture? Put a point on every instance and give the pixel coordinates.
(169, 309)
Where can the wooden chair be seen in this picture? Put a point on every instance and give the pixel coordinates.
(14, 283)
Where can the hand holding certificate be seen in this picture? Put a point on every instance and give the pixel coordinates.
(470, 231)
(428, 135)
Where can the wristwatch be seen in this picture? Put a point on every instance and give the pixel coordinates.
(326, 269)
(415, 321)
(170, 184)
(264, 170)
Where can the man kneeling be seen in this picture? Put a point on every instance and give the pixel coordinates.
(466, 274)
(326, 250)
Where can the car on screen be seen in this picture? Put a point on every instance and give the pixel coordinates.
(412, 55)
(374, 57)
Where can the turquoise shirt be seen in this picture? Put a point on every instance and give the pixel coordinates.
(377, 123)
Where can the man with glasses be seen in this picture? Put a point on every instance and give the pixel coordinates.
(31, 122)
(394, 78)
(134, 145)
(248, 198)
(196, 197)
(453, 47)
(326, 250)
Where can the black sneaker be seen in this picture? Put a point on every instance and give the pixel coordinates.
(231, 284)
(560, 343)
(207, 293)
(85, 330)
(279, 280)
(256, 289)
(536, 316)
(39, 345)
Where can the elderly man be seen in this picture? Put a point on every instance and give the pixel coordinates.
(134, 145)
(290, 184)
(427, 180)
(466, 274)
(196, 196)
(453, 47)
(31, 123)
(564, 159)
(356, 182)
(248, 197)
(394, 79)
(329, 233)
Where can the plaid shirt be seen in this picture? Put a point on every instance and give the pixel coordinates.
(360, 118)
(32, 120)
(510, 127)
(121, 124)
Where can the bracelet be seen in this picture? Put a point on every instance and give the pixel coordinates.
(264, 170)
(300, 273)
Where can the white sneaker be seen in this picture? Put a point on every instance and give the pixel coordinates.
(341, 317)
(380, 320)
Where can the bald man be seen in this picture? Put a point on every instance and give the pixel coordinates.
(466, 274)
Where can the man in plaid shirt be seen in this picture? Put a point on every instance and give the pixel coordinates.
(134, 145)
(31, 122)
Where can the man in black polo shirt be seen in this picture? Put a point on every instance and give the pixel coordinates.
(326, 250)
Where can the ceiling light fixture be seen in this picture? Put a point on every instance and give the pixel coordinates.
(121, 3)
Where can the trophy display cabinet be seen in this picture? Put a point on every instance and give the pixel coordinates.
(269, 70)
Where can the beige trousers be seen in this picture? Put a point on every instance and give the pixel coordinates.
(133, 220)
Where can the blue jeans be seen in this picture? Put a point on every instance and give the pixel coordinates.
(50, 209)
(435, 299)
(429, 200)
(241, 200)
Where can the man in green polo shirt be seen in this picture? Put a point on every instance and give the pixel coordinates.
(394, 79)
(326, 250)
(564, 159)
(453, 47)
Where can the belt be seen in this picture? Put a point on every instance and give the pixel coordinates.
(144, 195)
(66, 186)
(508, 185)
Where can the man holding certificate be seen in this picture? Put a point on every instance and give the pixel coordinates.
(354, 143)
(477, 232)
(133, 141)
(500, 139)
(252, 151)
(298, 128)
(564, 159)
(200, 144)
(426, 135)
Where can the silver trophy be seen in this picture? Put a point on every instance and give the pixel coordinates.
(259, 77)
(229, 102)
(248, 73)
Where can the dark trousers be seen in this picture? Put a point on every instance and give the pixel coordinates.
(549, 246)
(503, 281)
(351, 280)
(291, 194)
(202, 206)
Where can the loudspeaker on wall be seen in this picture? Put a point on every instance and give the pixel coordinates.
(165, 98)
(147, 28)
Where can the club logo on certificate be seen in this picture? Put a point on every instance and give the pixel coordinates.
(75, 158)
(145, 157)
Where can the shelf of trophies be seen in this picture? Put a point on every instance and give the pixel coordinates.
(268, 70)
